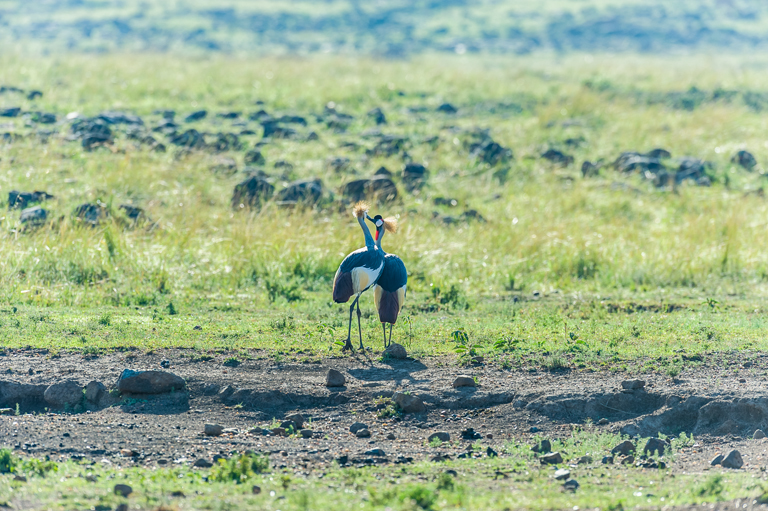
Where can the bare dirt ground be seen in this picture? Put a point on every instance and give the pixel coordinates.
(720, 409)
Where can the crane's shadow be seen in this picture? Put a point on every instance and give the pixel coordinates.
(390, 370)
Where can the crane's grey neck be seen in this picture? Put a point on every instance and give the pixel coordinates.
(378, 241)
(368, 238)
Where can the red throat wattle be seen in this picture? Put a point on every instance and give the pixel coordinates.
(376, 237)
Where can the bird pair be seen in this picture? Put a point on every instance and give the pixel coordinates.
(370, 267)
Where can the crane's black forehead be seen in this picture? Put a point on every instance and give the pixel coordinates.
(377, 217)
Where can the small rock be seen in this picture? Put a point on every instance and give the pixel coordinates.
(440, 435)
(464, 381)
(552, 458)
(628, 460)
(307, 433)
(491, 453)
(279, 432)
(375, 452)
(149, 382)
(624, 448)
(357, 426)
(759, 433)
(20, 479)
(94, 390)
(607, 460)
(64, 394)
(297, 418)
(571, 485)
(202, 463)
(584, 460)
(395, 351)
(334, 378)
(213, 429)
(254, 157)
(391, 436)
(196, 116)
(363, 433)
(562, 474)
(603, 421)
(534, 429)
(544, 446)
(632, 384)
(123, 490)
(744, 159)
(470, 434)
(409, 403)
(447, 108)
(733, 460)
(128, 453)
(165, 364)
(655, 445)
(33, 216)
(256, 489)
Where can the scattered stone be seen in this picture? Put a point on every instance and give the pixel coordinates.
(744, 159)
(447, 108)
(390, 436)
(94, 391)
(165, 364)
(655, 445)
(552, 458)
(202, 463)
(759, 434)
(335, 378)
(289, 426)
(375, 452)
(571, 485)
(584, 460)
(558, 157)
(64, 394)
(297, 418)
(607, 460)
(10, 112)
(589, 169)
(363, 433)
(123, 490)
(732, 460)
(20, 479)
(717, 460)
(213, 429)
(306, 433)
(628, 460)
(395, 351)
(128, 453)
(409, 403)
(543, 446)
(256, 489)
(149, 382)
(562, 473)
(440, 435)
(414, 176)
(34, 216)
(21, 200)
(377, 115)
(464, 381)
(254, 157)
(379, 187)
(632, 384)
(357, 426)
(308, 191)
(279, 432)
(470, 434)
(196, 116)
(625, 447)
(91, 213)
(603, 421)
(491, 453)
(252, 193)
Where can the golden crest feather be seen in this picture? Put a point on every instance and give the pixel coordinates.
(390, 224)
(360, 209)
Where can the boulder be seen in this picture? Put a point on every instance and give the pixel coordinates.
(357, 426)
(409, 403)
(213, 429)
(94, 391)
(379, 187)
(10, 112)
(149, 382)
(297, 419)
(34, 216)
(732, 460)
(196, 116)
(91, 213)
(13, 393)
(759, 434)
(440, 435)
(632, 384)
(558, 157)
(626, 447)
(363, 433)
(21, 200)
(308, 191)
(447, 108)
(335, 378)
(395, 351)
(64, 394)
(552, 458)
(745, 159)
(191, 139)
(655, 445)
(252, 193)
(414, 175)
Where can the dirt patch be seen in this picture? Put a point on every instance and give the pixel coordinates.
(256, 396)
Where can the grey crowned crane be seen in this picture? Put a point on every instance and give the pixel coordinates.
(358, 272)
(389, 291)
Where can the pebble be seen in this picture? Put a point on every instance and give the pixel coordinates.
(363, 433)
(607, 460)
(464, 381)
(603, 421)
(440, 435)
(297, 419)
(562, 474)
(395, 351)
(717, 460)
(408, 403)
(213, 429)
(123, 490)
(391, 436)
(759, 433)
(256, 489)
(571, 485)
(552, 458)
(584, 460)
(375, 452)
(202, 463)
(357, 426)
(624, 447)
(306, 433)
(334, 378)
(733, 460)
(632, 384)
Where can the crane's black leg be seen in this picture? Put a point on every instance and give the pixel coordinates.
(348, 343)
(390, 333)
(384, 329)
(359, 328)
